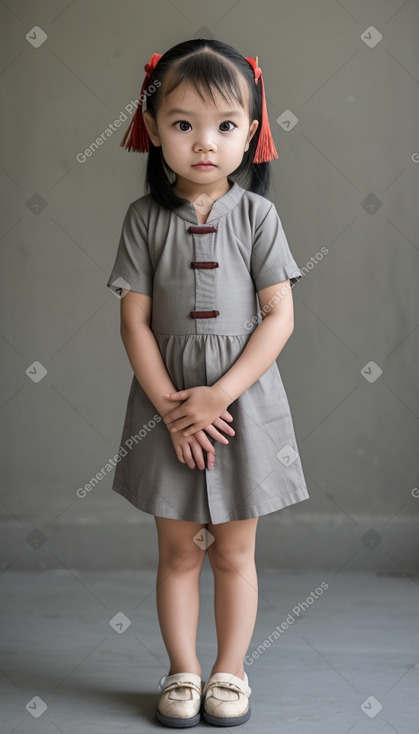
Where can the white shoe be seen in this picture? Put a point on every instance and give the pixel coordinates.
(180, 700)
(226, 699)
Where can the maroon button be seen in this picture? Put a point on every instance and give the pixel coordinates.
(204, 314)
(201, 230)
(207, 264)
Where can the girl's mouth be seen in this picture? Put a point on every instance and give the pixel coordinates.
(204, 165)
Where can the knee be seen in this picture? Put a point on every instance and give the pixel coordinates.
(182, 556)
(224, 557)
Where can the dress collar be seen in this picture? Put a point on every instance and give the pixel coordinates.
(221, 206)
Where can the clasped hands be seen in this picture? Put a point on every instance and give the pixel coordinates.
(200, 408)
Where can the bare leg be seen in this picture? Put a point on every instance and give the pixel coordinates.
(177, 592)
(236, 591)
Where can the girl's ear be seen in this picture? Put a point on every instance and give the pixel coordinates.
(151, 128)
(252, 129)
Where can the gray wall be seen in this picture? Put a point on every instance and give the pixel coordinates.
(346, 180)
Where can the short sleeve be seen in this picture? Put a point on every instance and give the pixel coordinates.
(132, 268)
(272, 260)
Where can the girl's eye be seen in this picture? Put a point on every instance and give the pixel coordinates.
(228, 122)
(184, 122)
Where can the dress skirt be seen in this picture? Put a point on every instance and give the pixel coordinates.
(258, 472)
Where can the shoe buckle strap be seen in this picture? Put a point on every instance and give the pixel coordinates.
(227, 684)
(182, 684)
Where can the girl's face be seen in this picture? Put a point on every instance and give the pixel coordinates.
(190, 130)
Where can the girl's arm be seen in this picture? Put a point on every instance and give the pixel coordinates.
(265, 344)
(260, 352)
(146, 361)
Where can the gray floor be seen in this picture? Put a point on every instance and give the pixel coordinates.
(344, 655)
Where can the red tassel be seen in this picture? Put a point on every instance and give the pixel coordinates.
(265, 150)
(136, 137)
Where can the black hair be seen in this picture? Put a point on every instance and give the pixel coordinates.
(191, 62)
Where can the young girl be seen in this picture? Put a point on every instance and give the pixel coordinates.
(204, 272)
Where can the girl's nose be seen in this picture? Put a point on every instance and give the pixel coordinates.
(204, 146)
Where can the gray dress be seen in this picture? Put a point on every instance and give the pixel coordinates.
(204, 281)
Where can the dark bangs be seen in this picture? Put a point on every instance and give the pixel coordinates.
(206, 72)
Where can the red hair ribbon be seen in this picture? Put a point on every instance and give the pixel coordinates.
(136, 137)
(265, 150)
